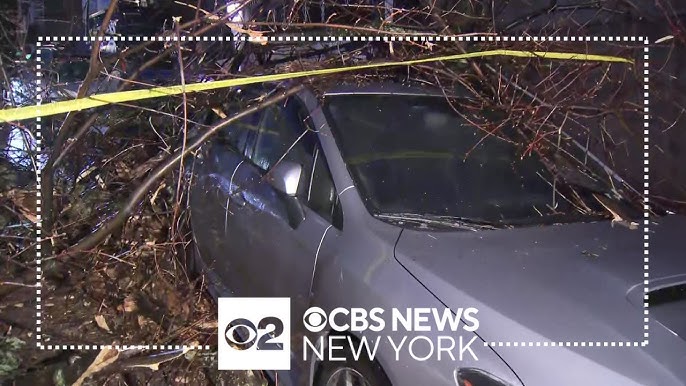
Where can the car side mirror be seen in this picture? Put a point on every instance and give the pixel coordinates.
(285, 177)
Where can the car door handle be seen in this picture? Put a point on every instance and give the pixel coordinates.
(237, 198)
(225, 199)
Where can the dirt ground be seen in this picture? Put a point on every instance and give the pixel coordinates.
(133, 290)
(69, 320)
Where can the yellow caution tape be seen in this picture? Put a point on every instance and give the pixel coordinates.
(97, 100)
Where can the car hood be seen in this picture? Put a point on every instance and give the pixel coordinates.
(567, 283)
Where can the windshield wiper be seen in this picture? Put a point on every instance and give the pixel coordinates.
(463, 223)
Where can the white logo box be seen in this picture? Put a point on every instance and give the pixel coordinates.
(267, 344)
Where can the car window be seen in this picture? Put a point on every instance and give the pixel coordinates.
(286, 133)
(236, 135)
(421, 155)
(282, 135)
(321, 193)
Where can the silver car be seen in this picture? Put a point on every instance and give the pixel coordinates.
(389, 196)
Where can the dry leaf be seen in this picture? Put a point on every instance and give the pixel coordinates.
(219, 112)
(100, 321)
(130, 304)
(25, 203)
(143, 321)
(111, 273)
(105, 357)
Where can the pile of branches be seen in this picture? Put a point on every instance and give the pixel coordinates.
(115, 180)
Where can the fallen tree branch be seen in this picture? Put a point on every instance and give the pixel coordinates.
(117, 221)
(64, 131)
(127, 83)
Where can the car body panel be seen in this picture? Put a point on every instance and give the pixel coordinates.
(561, 283)
(362, 272)
(564, 283)
(516, 274)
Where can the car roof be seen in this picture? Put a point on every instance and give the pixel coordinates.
(370, 88)
(384, 88)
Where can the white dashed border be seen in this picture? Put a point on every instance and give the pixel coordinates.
(39, 220)
(646, 191)
(348, 38)
(378, 38)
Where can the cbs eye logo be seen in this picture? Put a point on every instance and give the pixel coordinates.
(242, 334)
(254, 333)
(315, 319)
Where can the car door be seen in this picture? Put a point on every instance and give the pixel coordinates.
(219, 159)
(274, 257)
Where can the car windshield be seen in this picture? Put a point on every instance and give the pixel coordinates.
(419, 156)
